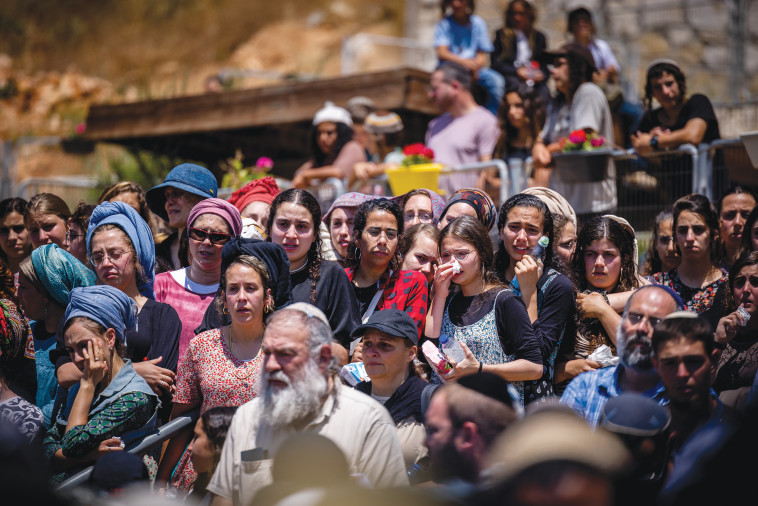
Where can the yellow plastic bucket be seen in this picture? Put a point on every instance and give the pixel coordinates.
(404, 179)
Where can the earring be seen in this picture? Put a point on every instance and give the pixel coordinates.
(225, 310)
(268, 308)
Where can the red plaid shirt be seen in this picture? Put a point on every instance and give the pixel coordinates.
(405, 290)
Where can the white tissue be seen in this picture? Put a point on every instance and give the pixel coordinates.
(603, 356)
(456, 267)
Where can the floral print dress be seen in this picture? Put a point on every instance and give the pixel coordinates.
(212, 375)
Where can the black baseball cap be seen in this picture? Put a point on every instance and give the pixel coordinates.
(394, 322)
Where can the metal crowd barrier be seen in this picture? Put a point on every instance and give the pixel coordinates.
(158, 436)
(644, 185)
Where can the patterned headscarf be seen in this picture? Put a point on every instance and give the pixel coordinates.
(126, 218)
(485, 209)
(59, 272)
(108, 306)
(15, 335)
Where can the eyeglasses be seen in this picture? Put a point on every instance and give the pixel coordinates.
(215, 238)
(635, 318)
(389, 233)
(460, 255)
(113, 257)
(423, 216)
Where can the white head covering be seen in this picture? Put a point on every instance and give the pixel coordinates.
(554, 201)
(331, 112)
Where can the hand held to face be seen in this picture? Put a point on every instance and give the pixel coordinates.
(95, 365)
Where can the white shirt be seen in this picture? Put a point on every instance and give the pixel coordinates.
(360, 426)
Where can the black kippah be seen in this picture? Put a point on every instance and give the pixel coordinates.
(489, 384)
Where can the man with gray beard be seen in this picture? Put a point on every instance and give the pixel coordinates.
(299, 393)
(589, 391)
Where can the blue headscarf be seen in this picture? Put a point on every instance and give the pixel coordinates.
(125, 217)
(108, 306)
(60, 272)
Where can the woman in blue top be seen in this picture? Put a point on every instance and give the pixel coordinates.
(113, 404)
(547, 294)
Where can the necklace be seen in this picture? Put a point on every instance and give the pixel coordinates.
(246, 367)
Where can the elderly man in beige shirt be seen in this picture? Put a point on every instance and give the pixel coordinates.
(299, 394)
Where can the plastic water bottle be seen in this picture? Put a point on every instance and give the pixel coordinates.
(531, 73)
(452, 348)
(538, 253)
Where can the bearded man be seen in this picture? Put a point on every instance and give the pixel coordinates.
(589, 391)
(299, 394)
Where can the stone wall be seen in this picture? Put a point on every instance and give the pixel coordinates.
(698, 34)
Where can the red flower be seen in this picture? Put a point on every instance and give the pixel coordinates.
(428, 153)
(414, 149)
(597, 142)
(578, 137)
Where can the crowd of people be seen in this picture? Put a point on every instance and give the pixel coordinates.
(434, 347)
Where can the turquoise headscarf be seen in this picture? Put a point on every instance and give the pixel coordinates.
(108, 306)
(60, 272)
(126, 218)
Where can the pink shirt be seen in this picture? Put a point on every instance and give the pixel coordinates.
(190, 305)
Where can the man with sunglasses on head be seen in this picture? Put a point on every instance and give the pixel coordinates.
(590, 390)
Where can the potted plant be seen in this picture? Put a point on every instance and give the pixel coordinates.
(417, 170)
(583, 157)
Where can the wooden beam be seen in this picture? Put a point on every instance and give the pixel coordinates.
(268, 106)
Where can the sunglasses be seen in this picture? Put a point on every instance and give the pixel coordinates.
(214, 237)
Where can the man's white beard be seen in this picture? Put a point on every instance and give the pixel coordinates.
(296, 402)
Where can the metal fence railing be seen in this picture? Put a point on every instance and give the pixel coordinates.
(644, 185)
(156, 437)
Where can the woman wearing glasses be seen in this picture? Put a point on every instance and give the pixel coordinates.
(211, 223)
(120, 248)
(292, 224)
(222, 365)
(374, 265)
(471, 305)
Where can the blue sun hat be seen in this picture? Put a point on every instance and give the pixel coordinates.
(189, 177)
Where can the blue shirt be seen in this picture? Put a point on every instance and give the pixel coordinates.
(589, 391)
(463, 40)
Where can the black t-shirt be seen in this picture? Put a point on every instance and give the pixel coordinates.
(697, 106)
(334, 296)
(513, 326)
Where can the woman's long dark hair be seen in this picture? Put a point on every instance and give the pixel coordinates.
(605, 228)
(8, 206)
(580, 72)
(321, 159)
(353, 259)
(216, 422)
(309, 202)
(652, 260)
(502, 258)
(472, 231)
(535, 111)
(700, 205)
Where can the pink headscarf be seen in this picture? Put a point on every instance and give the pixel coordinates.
(221, 208)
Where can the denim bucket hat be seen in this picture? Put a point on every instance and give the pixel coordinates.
(189, 177)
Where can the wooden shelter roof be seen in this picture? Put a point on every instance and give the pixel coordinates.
(271, 121)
